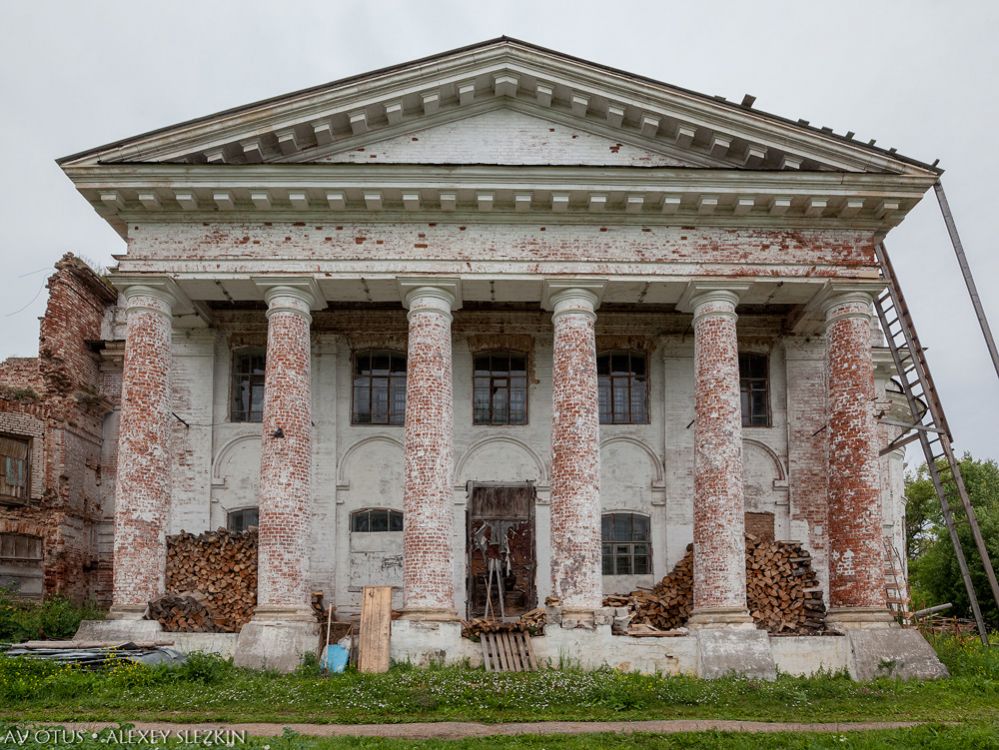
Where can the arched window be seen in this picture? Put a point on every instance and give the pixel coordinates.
(376, 519)
(242, 519)
(627, 544)
(622, 382)
(499, 393)
(379, 388)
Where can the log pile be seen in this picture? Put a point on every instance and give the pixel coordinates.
(211, 582)
(532, 622)
(782, 592)
(185, 613)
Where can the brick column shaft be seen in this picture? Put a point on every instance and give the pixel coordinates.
(856, 552)
(428, 558)
(142, 495)
(719, 511)
(286, 454)
(575, 479)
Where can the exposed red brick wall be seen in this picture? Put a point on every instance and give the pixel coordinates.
(427, 564)
(856, 554)
(286, 455)
(719, 544)
(575, 478)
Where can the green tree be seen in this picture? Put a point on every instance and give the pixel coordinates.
(933, 570)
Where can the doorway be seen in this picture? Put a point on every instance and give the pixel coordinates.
(500, 550)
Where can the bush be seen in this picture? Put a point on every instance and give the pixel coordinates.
(55, 618)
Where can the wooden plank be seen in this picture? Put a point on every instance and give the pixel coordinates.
(530, 652)
(523, 641)
(512, 653)
(487, 655)
(376, 629)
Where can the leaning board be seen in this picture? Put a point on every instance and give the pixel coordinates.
(507, 652)
(376, 629)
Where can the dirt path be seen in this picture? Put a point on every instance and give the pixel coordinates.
(452, 730)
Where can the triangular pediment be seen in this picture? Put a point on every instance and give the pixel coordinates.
(656, 124)
(501, 136)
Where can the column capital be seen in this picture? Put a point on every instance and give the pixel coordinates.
(295, 294)
(430, 294)
(698, 293)
(160, 295)
(581, 296)
(847, 303)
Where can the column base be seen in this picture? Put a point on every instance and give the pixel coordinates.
(728, 618)
(428, 614)
(277, 638)
(853, 618)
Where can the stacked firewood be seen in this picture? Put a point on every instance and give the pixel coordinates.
(782, 591)
(532, 622)
(185, 613)
(667, 605)
(218, 571)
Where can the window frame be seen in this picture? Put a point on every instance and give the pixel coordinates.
(631, 377)
(369, 353)
(29, 446)
(37, 541)
(509, 377)
(230, 513)
(744, 381)
(613, 554)
(391, 514)
(234, 381)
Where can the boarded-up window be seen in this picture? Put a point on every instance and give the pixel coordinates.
(21, 564)
(14, 467)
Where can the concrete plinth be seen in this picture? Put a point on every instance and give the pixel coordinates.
(892, 652)
(276, 640)
(122, 630)
(739, 651)
(423, 642)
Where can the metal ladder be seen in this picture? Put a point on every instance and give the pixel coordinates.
(929, 425)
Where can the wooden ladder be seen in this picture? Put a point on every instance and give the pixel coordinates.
(929, 426)
(895, 588)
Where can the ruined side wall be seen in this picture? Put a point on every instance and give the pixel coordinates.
(65, 423)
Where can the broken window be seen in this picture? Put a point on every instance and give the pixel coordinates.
(248, 385)
(627, 544)
(499, 394)
(241, 520)
(754, 388)
(15, 453)
(376, 519)
(622, 384)
(379, 388)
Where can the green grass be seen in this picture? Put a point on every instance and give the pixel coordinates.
(931, 737)
(55, 618)
(207, 688)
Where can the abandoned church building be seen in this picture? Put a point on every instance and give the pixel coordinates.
(499, 328)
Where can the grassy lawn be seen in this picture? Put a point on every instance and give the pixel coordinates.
(207, 688)
(931, 737)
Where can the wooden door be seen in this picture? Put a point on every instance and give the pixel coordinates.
(501, 529)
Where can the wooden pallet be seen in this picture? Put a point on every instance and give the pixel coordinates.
(507, 652)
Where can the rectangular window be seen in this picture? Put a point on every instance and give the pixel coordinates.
(248, 367)
(754, 388)
(622, 388)
(241, 520)
(15, 459)
(20, 547)
(499, 390)
(379, 393)
(627, 548)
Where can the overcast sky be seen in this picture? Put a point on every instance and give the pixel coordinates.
(920, 76)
